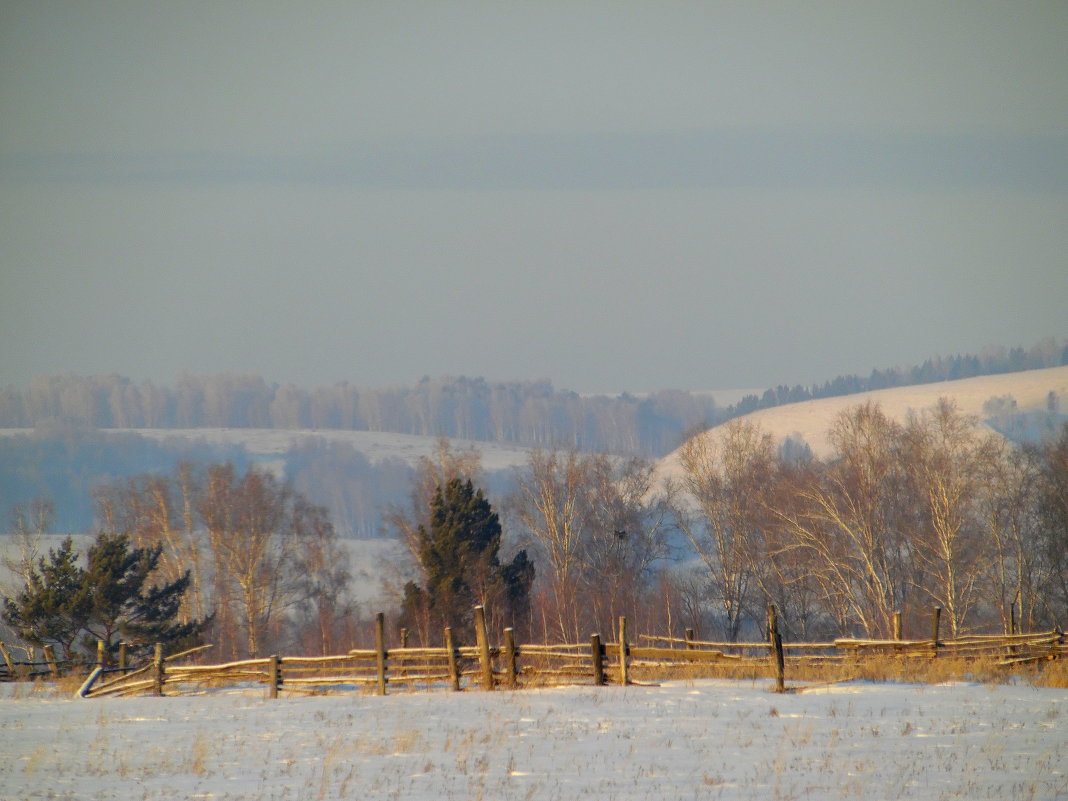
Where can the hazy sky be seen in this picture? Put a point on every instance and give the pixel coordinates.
(616, 196)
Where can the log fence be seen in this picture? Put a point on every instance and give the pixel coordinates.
(513, 665)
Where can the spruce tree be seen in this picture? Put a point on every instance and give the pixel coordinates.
(459, 556)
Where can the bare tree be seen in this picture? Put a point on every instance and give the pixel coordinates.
(726, 480)
(548, 502)
(1011, 574)
(849, 522)
(155, 510)
(29, 524)
(624, 522)
(948, 464)
(255, 527)
(322, 571)
(1050, 461)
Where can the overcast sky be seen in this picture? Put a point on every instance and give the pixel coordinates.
(622, 196)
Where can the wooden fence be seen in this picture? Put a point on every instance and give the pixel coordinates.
(514, 665)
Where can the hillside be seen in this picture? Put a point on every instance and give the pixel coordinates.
(811, 420)
(269, 446)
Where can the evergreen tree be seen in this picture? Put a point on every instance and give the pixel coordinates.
(459, 556)
(124, 606)
(54, 606)
(110, 600)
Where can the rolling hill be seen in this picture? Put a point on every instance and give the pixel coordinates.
(811, 420)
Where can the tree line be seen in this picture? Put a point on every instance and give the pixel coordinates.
(531, 413)
(901, 517)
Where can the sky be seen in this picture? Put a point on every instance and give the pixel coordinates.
(618, 196)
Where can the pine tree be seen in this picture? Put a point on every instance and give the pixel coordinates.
(459, 555)
(110, 599)
(124, 606)
(54, 606)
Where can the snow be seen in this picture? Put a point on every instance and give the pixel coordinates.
(812, 419)
(699, 739)
(377, 446)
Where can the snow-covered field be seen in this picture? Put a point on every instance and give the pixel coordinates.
(377, 446)
(683, 740)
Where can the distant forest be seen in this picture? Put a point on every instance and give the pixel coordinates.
(531, 413)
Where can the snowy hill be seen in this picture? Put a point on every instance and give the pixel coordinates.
(812, 419)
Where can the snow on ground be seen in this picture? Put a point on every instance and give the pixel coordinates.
(375, 445)
(812, 419)
(682, 740)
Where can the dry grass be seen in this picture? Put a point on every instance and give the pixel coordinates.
(915, 669)
(1050, 674)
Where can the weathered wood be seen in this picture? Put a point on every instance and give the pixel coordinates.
(597, 657)
(188, 651)
(7, 659)
(126, 688)
(677, 655)
(158, 673)
(380, 651)
(757, 646)
(349, 658)
(274, 676)
(90, 680)
(485, 661)
(624, 653)
(689, 639)
(510, 671)
(553, 650)
(935, 619)
(776, 649)
(50, 658)
(897, 625)
(101, 654)
(122, 656)
(404, 637)
(262, 662)
(313, 680)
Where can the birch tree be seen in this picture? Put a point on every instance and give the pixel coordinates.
(850, 522)
(725, 480)
(949, 466)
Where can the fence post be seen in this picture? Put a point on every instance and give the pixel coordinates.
(274, 675)
(482, 639)
(935, 619)
(101, 654)
(380, 651)
(454, 668)
(689, 639)
(897, 625)
(157, 670)
(50, 658)
(122, 657)
(597, 654)
(776, 649)
(510, 666)
(624, 653)
(404, 637)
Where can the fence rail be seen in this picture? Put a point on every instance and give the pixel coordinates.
(514, 665)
